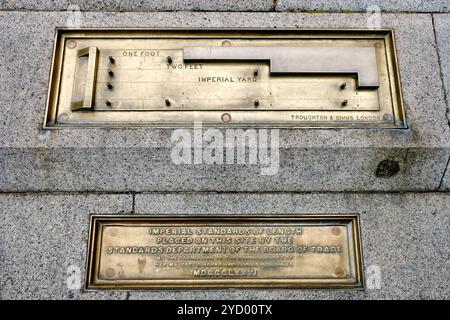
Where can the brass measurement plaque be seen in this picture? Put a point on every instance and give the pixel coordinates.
(225, 78)
(196, 252)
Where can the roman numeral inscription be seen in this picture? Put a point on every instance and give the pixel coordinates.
(223, 251)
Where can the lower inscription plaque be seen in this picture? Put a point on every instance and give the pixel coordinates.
(145, 252)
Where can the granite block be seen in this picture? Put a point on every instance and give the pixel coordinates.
(404, 235)
(43, 240)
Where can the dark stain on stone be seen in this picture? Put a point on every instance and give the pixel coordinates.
(387, 168)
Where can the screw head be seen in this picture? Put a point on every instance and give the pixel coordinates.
(71, 44)
(111, 59)
(344, 103)
(256, 103)
(110, 72)
(167, 102)
(343, 85)
(169, 60)
(109, 85)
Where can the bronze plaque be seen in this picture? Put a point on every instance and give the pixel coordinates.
(145, 252)
(225, 78)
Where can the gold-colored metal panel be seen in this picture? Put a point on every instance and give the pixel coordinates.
(260, 78)
(143, 252)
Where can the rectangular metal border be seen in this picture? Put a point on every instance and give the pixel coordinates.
(92, 253)
(54, 82)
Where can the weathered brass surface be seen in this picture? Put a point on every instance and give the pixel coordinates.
(233, 251)
(261, 78)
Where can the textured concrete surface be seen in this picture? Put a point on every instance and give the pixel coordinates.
(27, 40)
(139, 169)
(42, 236)
(363, 5)
(138, 5)
(405, 235)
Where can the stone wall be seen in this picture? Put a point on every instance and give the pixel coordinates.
(52, 180)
